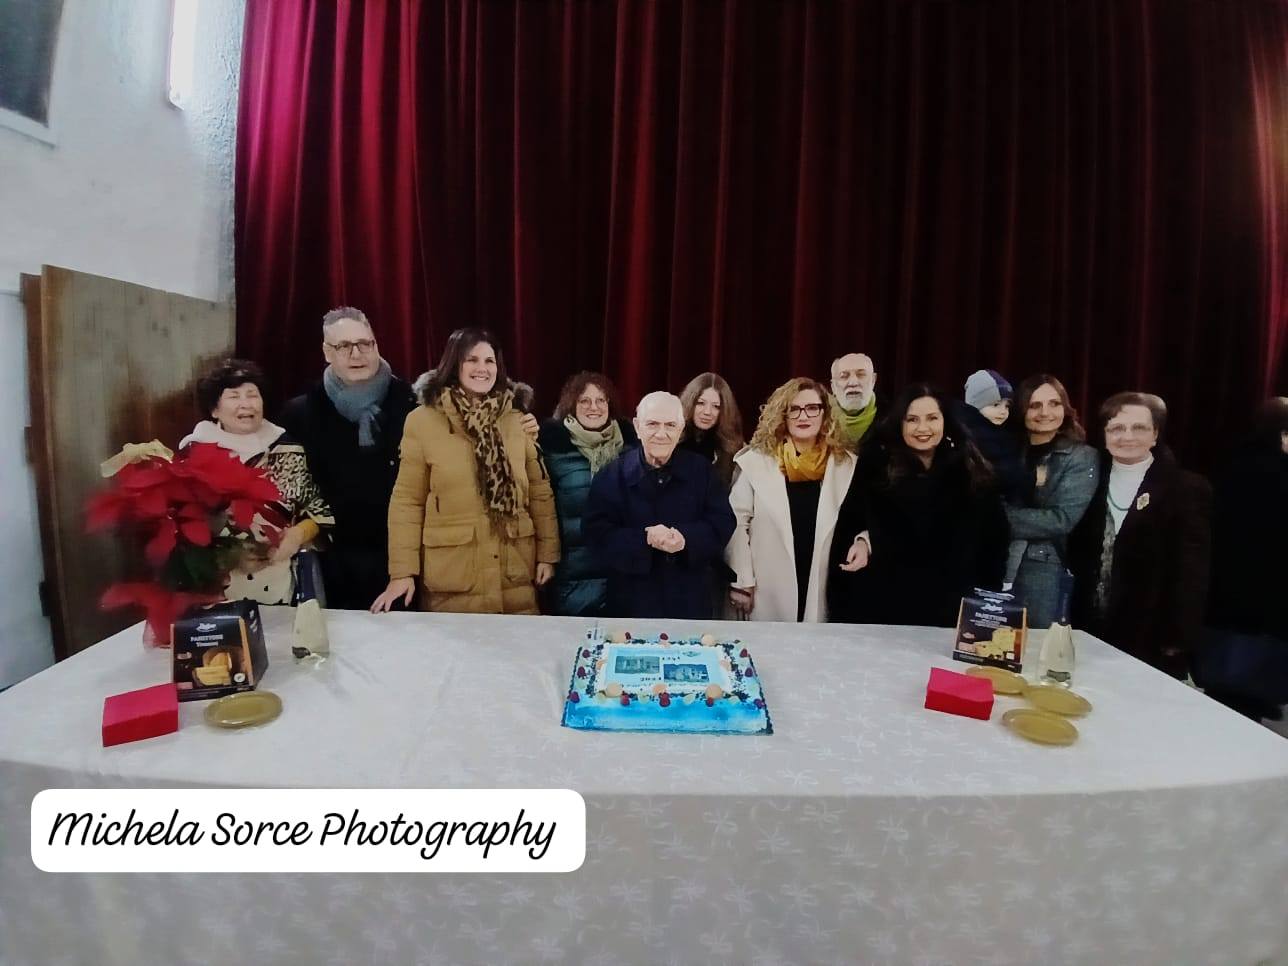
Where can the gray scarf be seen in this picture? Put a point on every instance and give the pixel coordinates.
(359, 402)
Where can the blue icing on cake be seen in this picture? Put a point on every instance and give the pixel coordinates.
(661, 684)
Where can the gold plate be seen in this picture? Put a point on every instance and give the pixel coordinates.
(1004, 681)
(243, 710)
(1052, 697)
(1041, 726)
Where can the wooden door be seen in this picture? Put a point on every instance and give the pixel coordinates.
(109, 363)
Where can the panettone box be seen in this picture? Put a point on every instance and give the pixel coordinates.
(218, 650)
(992, 628)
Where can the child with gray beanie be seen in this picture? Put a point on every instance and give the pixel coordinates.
(985, 414)
(989, 392)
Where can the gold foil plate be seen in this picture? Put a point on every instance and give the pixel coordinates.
(1052, 697)
(1004, 681)
(1044, 727)
(244, 709)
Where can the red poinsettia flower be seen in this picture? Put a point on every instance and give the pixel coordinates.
(242, 513)
(194, 524)
(181, 506)
(164, 539)
(151, 504)
(141, 476)
(224, 473)
(105, 509)
(161, 605)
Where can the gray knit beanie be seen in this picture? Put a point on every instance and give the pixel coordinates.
(987, 387)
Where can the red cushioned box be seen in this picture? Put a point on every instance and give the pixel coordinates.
(145, 713)
(959, 694)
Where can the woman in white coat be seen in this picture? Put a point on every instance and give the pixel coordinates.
(789, 482)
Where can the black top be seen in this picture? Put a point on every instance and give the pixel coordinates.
(356, 481)
(1249, 537)
(802, 500)
(1035, 453)
(706, 443)
(1033, 457)
(936, 535)
(1159, 565)
(1000, 445)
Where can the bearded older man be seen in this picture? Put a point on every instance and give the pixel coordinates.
(658, 519)
(854, 381)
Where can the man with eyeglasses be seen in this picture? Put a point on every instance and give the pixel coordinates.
(658, 519)
(350, 425)
(854, 380)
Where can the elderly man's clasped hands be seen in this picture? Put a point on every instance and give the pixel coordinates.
(664, 538)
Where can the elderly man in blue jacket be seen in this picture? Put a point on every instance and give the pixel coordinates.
(658, 520)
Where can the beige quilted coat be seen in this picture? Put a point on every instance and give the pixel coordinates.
(439, 528)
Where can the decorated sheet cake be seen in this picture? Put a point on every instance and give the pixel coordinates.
(696, 685)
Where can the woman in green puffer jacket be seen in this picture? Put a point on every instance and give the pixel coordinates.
(584, 436)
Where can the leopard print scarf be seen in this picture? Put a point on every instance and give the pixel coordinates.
(479, 418)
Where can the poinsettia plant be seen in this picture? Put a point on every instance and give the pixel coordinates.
(198, 514)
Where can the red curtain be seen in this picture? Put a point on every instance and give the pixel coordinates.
(1092, 187)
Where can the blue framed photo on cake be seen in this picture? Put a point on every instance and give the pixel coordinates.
(660, 684)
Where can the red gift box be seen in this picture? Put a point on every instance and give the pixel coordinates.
(959, 694)
(145, 713)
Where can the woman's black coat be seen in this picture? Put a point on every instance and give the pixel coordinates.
(1158, 585)
(935, 537)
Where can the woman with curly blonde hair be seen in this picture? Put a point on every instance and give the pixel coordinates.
(788, 486)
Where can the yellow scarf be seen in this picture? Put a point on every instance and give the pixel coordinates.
(808, 466)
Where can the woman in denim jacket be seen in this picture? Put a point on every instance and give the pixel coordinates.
(1059, 480)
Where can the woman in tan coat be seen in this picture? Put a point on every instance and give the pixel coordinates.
(472, 514)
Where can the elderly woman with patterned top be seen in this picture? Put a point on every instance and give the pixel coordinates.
(232, 394)
(1140, 554)
(712, 423)
(922, 524)
(585, 435)
(788, 486)
(472, 514)
(1058, 479)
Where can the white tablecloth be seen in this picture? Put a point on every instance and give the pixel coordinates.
(866, 829)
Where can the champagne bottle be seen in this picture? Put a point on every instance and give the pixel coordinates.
(1056, 658)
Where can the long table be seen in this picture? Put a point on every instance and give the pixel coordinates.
(865, 829)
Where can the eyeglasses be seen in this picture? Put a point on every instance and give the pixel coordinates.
(809, 409)
(1136, 429)
(362, 345)
(589, 401)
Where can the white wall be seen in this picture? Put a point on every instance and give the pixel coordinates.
(25, 646)
(131, 188)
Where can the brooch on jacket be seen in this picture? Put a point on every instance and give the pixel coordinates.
(1142, 501)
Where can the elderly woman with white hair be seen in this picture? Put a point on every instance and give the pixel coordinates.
(658, 519)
